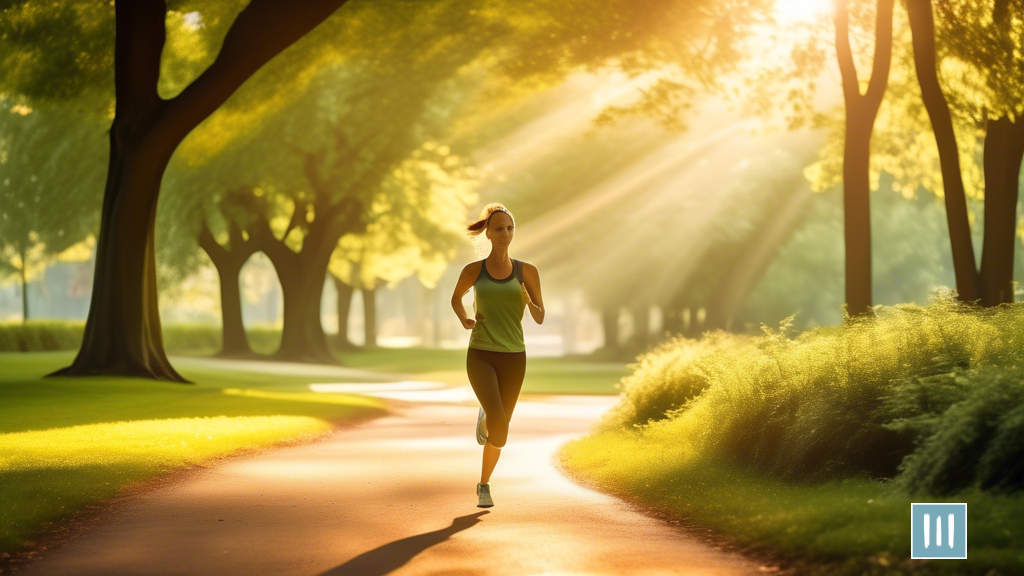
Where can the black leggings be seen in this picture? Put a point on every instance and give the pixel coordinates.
(497, 378)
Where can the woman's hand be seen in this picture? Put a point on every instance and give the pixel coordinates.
(468, 323)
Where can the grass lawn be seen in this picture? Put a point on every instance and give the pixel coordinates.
(856, 526)
(66, 443)
(544, 375)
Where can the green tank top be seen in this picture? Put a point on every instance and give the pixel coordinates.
(498, 306)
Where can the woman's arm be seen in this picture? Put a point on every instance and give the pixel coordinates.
(531, 285)
(463, 285)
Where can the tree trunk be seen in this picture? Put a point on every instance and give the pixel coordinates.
(302, 275)
(24, 286)
(857, 214)
(693, 326)
(122, 333)
(1004, 150)
(345, 292)
(861, 111)
(229, 262)
(922, 26)
(642, 326)
(610, 324)
(233, 338)
(370, 316)
(569, 325)
(302, 336)
(671, 321)
(432, 331)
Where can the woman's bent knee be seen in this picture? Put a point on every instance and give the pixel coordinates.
(497, 433)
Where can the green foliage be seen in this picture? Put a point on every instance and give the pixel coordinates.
(206, 339)
(666, 378)
(971, 430)
(828, 403)
(51, 169)
(35, 336)
(911, 258)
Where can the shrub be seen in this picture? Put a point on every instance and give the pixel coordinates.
(40, 335)
(970, 431)
(822, 405)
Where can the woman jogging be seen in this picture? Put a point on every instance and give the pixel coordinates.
(496, 359)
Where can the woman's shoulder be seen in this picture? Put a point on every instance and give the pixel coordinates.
(472, 269)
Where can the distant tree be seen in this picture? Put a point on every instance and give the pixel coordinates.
(861, 111)
(983, 40)
(48, 167)
(958, 73)
(352, 152)
(414, 236)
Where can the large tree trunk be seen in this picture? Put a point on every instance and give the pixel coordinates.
(1004, 150)
(922, 26)
(122, 333)
(861, 111)
(345, 292)
(369, 316)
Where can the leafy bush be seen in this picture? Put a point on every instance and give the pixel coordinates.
(970, 431)
(821, 405)
(35, 336)
(40, 335)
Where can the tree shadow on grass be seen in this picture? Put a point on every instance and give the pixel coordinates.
(394, 555)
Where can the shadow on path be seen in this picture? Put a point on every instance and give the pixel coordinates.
(394, 555)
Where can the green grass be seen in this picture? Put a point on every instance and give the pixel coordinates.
(65, 443)
(544, 375)
(843, 527)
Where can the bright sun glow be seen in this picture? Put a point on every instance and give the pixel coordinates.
(794, 10)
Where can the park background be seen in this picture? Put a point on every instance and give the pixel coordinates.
(764, 215)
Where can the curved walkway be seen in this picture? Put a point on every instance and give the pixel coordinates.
(395, 495)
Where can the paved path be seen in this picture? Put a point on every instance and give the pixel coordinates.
(395, 495)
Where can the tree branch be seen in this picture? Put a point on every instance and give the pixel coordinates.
(262, 30)
(298, 216)
(847, 67)
(883, 53)
(209, 244)
(282, 256)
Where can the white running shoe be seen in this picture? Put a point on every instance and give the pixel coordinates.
(481, 428)
(483, 492)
